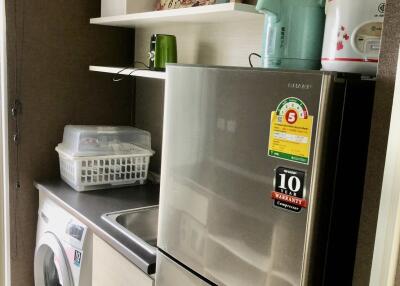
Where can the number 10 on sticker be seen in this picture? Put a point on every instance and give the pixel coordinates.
(293, 183)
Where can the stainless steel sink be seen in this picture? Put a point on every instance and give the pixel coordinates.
(139, 225)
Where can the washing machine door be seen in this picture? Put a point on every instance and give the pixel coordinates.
(51, 264)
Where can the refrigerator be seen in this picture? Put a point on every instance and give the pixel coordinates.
(262, 176)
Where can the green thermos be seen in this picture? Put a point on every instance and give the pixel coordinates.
(162, 51)
(293, 33)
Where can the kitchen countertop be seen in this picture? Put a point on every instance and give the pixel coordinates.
(88, 207)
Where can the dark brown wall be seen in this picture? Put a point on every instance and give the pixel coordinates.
(378, 142)
(149, 114)
(50, 47)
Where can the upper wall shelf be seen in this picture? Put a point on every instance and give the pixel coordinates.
(218, 13)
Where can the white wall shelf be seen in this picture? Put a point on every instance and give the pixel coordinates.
(130, 71)
(218, 13)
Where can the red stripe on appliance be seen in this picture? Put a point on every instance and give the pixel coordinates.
(289, 199)
(349, 60)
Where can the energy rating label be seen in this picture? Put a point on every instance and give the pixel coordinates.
(291, 131)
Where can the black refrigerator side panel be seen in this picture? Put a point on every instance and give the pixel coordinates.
(329, 149)
(349, 183)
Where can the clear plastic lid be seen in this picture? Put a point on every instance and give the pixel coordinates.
(86, 140)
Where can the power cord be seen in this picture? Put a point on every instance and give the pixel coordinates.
(250, 57)
(118, 78)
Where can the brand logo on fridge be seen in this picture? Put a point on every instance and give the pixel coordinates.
(299, 85)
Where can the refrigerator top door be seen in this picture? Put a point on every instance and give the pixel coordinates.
(217, 215)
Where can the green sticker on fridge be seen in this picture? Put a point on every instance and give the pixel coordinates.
(291, 131)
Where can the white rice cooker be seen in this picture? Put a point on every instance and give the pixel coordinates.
(352, 37)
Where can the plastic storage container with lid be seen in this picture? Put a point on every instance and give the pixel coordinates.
(96, 157)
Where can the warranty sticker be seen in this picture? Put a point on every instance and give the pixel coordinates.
(291, 131)
(289, 193)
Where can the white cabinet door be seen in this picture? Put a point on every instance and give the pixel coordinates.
(111, 268)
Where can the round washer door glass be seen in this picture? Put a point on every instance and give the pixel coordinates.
(51, 266)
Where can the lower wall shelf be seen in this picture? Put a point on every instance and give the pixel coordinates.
(129, 71)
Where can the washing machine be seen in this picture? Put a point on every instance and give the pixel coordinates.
(63, 254)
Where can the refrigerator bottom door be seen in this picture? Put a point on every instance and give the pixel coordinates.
(170, 273)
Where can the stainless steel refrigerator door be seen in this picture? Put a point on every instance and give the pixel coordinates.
(216, 212)
(170, 273)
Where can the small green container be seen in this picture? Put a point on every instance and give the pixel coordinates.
(163, 50)
(293, 33)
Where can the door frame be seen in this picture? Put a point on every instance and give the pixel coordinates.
(5, 264)
(387, 240)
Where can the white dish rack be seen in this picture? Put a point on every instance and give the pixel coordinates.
(96, 172)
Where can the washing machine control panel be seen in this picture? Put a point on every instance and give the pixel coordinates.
(75, 233)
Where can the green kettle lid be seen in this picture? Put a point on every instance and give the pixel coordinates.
(265, 6)
(275, 6)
